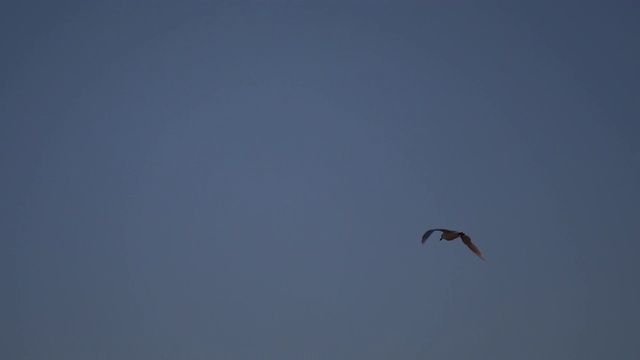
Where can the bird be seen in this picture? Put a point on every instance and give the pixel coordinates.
(450, 235)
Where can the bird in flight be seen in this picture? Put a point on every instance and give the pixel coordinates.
(450, 235)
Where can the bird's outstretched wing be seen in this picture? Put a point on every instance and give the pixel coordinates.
(429, 232)
(467, 241)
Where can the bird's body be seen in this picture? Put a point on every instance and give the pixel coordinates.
(451, 235)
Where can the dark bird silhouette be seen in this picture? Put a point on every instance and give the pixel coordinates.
(450, 235)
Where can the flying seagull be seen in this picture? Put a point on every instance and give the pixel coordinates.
(450, 235)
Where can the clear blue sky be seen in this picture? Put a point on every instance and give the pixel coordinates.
(250, 180)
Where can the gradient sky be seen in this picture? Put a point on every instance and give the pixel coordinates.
(250, 180)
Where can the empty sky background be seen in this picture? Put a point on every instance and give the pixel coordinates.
(250, 180)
